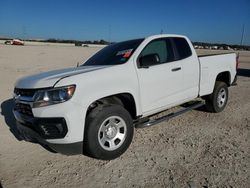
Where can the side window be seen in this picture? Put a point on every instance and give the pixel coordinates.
(160, 47)
(182, 48)
(156, 47)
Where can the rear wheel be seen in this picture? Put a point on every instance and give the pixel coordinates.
(109, 132)
(217, 101)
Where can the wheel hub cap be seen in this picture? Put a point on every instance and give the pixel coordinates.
(112, 133)
(221, 97)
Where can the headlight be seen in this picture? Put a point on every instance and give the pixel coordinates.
(53, 96)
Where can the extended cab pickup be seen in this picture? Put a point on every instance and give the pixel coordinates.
(93, 108)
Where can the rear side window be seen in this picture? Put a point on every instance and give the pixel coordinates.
(182, 48)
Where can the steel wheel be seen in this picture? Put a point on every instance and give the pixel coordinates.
(217, 101)
(112, 133)
(222, 96)
(108, 133)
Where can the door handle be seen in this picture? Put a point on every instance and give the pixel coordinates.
(176, 69)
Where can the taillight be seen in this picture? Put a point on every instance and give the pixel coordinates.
(237, 61)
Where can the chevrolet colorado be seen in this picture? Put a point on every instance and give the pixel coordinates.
(93, 108)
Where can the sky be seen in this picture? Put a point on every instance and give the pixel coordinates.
(215, 21)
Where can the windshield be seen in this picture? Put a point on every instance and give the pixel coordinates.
(114, 54)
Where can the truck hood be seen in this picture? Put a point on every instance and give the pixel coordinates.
(49, 79)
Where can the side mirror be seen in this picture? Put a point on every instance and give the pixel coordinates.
(148, 60)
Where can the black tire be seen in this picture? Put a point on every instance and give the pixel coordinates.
(95, 119)
(213, 104)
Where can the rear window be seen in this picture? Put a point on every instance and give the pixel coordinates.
(182, 47)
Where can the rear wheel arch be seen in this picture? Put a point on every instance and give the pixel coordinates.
(224, 77)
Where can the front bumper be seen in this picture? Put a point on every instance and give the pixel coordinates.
(39, 130)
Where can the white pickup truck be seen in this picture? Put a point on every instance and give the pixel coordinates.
(93, 108)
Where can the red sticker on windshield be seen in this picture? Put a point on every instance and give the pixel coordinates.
(125, 53)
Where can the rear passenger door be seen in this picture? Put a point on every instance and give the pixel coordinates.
(190, 67)
(160, 84)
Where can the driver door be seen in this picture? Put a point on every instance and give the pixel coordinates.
(161, 83)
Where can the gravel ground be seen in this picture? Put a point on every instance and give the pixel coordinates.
(197, 149)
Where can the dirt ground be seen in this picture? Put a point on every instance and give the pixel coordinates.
(197, 149)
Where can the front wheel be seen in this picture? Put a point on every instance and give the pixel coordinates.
(217, 101)
(109, 132)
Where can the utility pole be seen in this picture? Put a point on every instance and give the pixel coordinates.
(109, 34)
(242, 35)
(24, 32)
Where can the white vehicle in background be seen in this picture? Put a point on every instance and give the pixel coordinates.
(14, 42)
(93, 108)
(17, 42)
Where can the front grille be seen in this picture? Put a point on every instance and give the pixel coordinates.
(25, 92)
(24, 109)
(21, 107)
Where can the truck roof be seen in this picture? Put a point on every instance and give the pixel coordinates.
(164, 35)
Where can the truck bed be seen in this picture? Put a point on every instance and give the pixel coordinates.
(211, 66)
(205, 55)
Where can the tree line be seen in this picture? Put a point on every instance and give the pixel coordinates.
(223, 46)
